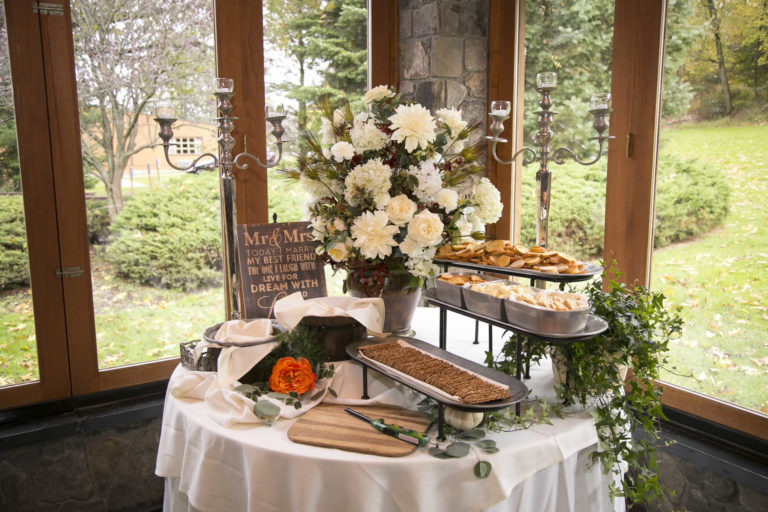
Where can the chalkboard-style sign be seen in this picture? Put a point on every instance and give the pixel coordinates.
(277, 260)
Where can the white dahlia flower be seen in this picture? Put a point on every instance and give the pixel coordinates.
(414, 125)
(373, 235)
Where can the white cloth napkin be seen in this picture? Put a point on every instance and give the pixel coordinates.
(244, 331)
(235, 361)
(369, 312)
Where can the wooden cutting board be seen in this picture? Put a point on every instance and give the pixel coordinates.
(327, 425)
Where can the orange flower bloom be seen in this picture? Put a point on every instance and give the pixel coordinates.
(288, 375)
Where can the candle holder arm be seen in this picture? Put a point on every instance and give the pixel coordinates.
(526, 161)
(240, 163)
(560, 155)
(192, 168)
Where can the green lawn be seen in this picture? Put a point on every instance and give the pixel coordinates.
(720, 279)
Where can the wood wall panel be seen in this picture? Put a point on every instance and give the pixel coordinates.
(637, 49)
(506, 46)
(239, 39)
(34, 147)
(383, 43)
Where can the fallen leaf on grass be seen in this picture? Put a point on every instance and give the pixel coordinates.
(751, 371)
(763, 361)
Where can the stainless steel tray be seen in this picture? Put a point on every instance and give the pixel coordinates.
(484, 304)
(541, 319)
(517, 390)
(591, 271)
(452, 293)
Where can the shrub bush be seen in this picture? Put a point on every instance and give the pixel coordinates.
(98, 220)
(170, 237)
(692, 198)
(14, 265)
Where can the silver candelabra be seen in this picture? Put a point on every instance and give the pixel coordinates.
(224, 90)
(545, 84)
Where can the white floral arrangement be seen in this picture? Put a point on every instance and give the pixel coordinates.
(389, 186)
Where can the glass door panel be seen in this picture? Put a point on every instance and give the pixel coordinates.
(18, 345)
(154, 231)
(579, 49)
(711, 240)
(312, 49)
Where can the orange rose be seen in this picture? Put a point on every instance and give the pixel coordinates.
(289, 375)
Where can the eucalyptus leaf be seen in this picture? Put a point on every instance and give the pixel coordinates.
(473, 433)
(486, 443)
(279, 396)
(332, 392)
(483, 469)
(317, 395)
(491, 449)
(438, 453)
(457, 449)
(245, 388)
(265, 409)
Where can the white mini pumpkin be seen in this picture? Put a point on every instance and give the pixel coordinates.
(462, 420)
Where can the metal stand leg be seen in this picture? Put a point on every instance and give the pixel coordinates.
(490, 338)
(440, 422)
(443, 327)
(477, 332)
(518, 364)
(365, 383)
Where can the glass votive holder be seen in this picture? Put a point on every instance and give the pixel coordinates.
(165, 110)
(601, 100)
(223, 85)
(278, 110)
(548, 79)
(500, 107)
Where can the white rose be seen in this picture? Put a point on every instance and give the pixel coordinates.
(339, 251)
(426, 228)
(409, 246)
(378, 93)
(452, 120)
(382, 200)
(342, 150)
(448, 199)
(400, 210)
(339, 224)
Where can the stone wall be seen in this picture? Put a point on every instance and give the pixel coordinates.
(93, 470)
(443, 55)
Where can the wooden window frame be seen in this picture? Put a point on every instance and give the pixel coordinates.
(638, 49)
(45, 93)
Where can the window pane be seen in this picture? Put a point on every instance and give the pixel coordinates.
(711, 241)
(312, 49)
(18, 347)
(573, 39)
(154, 231)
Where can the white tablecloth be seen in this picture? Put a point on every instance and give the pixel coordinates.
(213, 468)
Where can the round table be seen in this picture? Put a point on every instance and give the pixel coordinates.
(210, 467)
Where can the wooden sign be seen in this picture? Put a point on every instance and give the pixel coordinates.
(277, 260)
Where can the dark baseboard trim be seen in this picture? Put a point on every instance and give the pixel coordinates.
(62, 418)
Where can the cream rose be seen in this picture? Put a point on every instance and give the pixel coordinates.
(400, 210)
(377, 93)
(426, 228)
(339, 251)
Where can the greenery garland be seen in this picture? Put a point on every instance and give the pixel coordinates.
(640, 327)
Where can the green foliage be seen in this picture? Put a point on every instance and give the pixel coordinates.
(14, 266)
(98, 220)
(640, 327)
(170, 237)
(10, 179)
(692, 198)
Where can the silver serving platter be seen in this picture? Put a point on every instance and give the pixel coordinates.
(540, 319)
(517, 390)
(591, 270)
(452, 293)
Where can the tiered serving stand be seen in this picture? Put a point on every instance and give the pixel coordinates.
(518, 391)
(595, 325)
